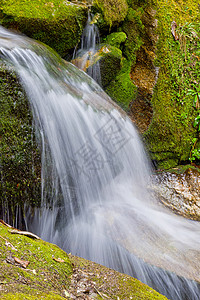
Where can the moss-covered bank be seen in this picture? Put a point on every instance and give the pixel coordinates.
(129, 36)
(20, 157)
(170, 135)
(58, 24)
(52, 274)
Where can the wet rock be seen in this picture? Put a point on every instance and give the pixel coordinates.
(180, 192)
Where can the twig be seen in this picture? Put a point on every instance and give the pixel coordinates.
(26, 233)
(4, 223)
(8, 243)
(100, 294)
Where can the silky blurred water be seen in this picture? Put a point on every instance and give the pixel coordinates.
(95, 200)
(84, 58)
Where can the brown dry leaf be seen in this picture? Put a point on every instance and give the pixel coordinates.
(173, 30)
(26, 233)
(198, 102)
(23, 263)
(58, 259)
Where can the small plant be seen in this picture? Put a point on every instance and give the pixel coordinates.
(195, 92)
(186, 33)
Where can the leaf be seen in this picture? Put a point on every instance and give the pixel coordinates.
(58, 259)
(194, 140)
(23, 263)
(66, 293)
(196, 100)
(190, 92)
(196, 121)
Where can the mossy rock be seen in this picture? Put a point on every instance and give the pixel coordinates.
(20, 156)
(121, 89)
(133, 28)
(56, 23)
(171, 132)
(52, 274)
(43, 278)
(116, 39)
(113, 11)
(110, 63)
(111, 60)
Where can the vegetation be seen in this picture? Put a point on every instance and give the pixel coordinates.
(20, 157)
(110, 63)
(128, 40)
(114, 11)
(170, 135)
(116, 39)
(58, 24)
(122, 89)
(34, 269)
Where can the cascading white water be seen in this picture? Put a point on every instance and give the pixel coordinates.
(85, 56)
(95, 177)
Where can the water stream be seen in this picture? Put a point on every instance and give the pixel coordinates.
(86, 58)
(95, 200)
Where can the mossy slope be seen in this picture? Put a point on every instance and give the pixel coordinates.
(51, 273)
(44, 278)
(58, 24)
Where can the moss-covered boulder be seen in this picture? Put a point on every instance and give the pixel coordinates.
(122, 89)
(34, 269)
(110, 63)
(58, 24)
(170, 137)
(113, 11)
(133, 27)
(129, 39)
(20, 157)
(116, 39)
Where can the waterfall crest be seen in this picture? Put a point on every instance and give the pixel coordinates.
(96, 175)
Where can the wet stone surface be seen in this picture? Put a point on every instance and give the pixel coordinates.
(179, 192)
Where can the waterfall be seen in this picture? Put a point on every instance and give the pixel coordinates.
(86, 57)
(95, 200)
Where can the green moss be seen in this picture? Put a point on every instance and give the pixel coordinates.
(122, 89)
(133, 28)
(180, 169)
(56, 23)
(116, 39)
(43, 278)
(114, 11)
(110, 63)
(46, 278)
(22, 296)
(40, 9)
(116, 285)
(20, 157)
(171, 130)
